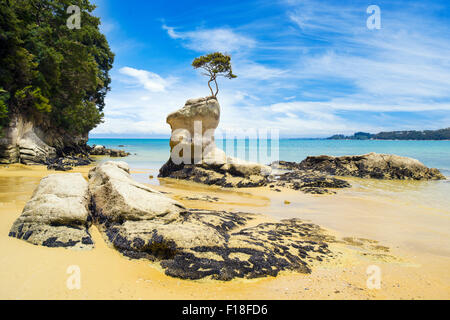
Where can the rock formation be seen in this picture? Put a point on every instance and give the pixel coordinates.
(307, 181)
(57, 215)
(143, 223)
(97, 150)
(372, 165)
(32, 142)
(195, 156)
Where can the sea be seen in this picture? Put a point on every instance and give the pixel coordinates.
(153, 153)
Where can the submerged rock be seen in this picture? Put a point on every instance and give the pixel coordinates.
(372, 165)
(310, 182)
(195, 156)
(67, 163)
(57, 215)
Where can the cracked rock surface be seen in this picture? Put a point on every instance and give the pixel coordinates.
(372, 165)
(193, 244)
(143, 223)
(57, 214)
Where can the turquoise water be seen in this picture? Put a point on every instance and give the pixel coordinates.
(152, 153)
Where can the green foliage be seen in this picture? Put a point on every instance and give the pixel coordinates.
(33, 97)
(215, 64)
(49, 70)
(441, 134)
(4, 96)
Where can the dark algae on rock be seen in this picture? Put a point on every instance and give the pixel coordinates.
(193, 244)
(372, 165)
(142, 223)
(57, 215)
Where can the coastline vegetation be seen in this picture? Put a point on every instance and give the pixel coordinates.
(441, 134)
(49, 72)
(216, 65)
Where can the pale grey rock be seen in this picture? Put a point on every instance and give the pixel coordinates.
(57, 214)
(117, 197)
(35, 141)
(195, 156)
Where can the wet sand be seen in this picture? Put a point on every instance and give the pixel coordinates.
(408, 239)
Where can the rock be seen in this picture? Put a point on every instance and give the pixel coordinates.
(372, 165)
(211, 176)
(35, 141)
(98, 150)
(195, 156)
(310, 182)
(193, 127)
(57, 215)
(34, 150)
(117, 197)
(202, 198)
(67, 163)
(291, 175)
(9, 154)
(193, 244)
(253, 252)
(142, 223)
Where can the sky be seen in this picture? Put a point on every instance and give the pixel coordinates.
(306, 68)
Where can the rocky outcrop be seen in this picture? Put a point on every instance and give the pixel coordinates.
(34, 150)
(142, 223)
(57, 215)
(30, 141)
(66, 163)
(117, 197)
(372, 165)
(97, 150)
(195, 156)
(192, 244)
(307, 181)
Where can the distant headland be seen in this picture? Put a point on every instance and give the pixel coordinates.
(441, 134)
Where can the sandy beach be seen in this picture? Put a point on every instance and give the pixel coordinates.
(374, 225)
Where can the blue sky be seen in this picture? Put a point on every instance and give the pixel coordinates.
(307, 68)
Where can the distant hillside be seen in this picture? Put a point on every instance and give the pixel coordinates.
(441, 134)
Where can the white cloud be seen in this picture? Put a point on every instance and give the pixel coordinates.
(149, 80)
(405, 66)
(206, 40)
(334, 72)
(252, 70)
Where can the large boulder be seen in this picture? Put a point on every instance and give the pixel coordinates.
(195, 156)
(372, 165)
(117, 197)
(191, 244)
(57, 214)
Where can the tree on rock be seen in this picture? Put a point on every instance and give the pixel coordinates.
(216, 65)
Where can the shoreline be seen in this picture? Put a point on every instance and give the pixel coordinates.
(137, 278)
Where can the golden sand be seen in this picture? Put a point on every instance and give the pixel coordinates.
(407, 241)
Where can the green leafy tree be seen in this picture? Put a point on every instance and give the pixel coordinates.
(215, 65)
(49, 71)
(4, 96)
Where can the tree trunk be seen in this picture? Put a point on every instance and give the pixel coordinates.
(212, 93)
